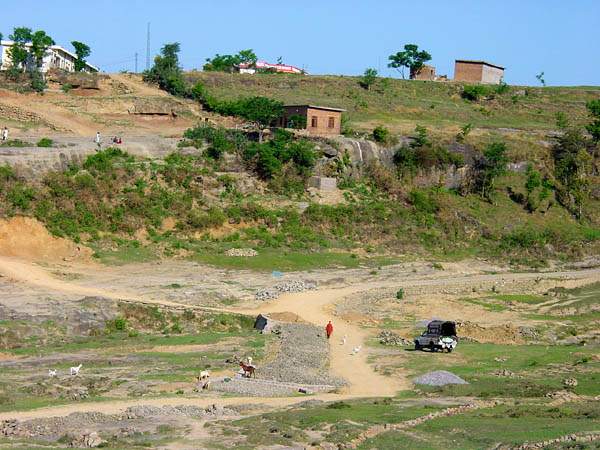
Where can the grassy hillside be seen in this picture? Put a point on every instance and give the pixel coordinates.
(401, 103)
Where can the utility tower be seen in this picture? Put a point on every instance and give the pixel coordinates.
(136, 66)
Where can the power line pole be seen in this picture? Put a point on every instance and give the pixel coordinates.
(148, 49)
(136, 66)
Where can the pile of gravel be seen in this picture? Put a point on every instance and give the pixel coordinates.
(286, 287)
(142, 411)
(439, 378)
(302, 357)
(239, 386)
(391, 338)
(241, 252)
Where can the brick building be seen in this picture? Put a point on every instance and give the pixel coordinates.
(427, 73)
(478, 71)
(320, 120)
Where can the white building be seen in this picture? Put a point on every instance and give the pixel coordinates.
(55, 58)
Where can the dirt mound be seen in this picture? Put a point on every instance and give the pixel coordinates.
(286, 317)
(506, 334)
(27, 238)
(359, 318)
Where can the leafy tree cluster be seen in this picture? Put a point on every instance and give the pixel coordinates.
(227, 63)
(477, 92)
(573, 157)
(411, 58)
(422, 154)
(82, 51)
(593, 107)
(166, 72)
(489, 167)
(369, 78)
(268, 159)
(20, 54)
(220, 140)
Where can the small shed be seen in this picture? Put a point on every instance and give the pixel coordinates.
(478, 71)
(427, 73)
(318, 120)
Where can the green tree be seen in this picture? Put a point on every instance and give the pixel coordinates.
(40, 43)
(411, 57)
(562, 121)
(422, 139)
(534, 180)
(82, 51)
(226, 63)
(464, 132)
(167, 72)
(540, 78)
(263, 111)
(593, 107)
(17, 53)
(380, 134)
(572, 167)
(490, 166)
(369, 78)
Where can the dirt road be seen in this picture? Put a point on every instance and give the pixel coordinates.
(312, 306)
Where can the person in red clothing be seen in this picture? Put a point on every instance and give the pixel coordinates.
(329, 329)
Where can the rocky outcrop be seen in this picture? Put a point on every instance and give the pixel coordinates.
(77, 80)
(22, 115)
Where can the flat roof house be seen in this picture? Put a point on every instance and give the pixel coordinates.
(284, 68)
(478, 71)
(55, 58)
(320, 120)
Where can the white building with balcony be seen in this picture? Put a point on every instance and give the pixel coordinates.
(56, 58)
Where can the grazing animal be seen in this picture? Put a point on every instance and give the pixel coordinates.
(249, 358)
(51, 373)
(356, 350)
(75, 370)
(206, 385)
(248, 370)
(344, 340)
(204, 375)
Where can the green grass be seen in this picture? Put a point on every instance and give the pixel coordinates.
(528, 299)
(287, 260)
(486, 305)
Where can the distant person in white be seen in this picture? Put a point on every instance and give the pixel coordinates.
(5, 134)
(97, 140)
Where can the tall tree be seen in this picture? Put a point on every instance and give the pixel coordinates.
(226, 63)
(18, 52)
(167, 72)
(262, 110)
(369, 78)
(82, 51)
(593, 107)
(490, 166)
(40, 43)
(411, 57)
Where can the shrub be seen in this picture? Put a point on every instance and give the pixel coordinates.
(66, 87)
(400, 294)
(120, 323)
(423, 202)
(475, 92)
(45, 142)
(338, 405)
(380, 134)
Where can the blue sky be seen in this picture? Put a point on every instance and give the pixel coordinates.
(331, 36)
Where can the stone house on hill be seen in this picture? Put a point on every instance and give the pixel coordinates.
(320, 120)
(427, 73)
(478, 71)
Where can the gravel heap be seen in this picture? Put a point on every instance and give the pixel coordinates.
(439, 378)
(302, 356)
(75, 422)
(241, 252)
(239, 386)
(286, 287)
(391, 338)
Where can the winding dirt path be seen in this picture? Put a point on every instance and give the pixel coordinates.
(313, 306)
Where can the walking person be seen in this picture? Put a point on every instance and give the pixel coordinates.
(329, 329)
(5, 134)
(97, 140)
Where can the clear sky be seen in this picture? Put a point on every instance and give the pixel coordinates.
(559, 37)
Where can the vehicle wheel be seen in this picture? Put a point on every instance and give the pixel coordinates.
(417, 346)
(432, 348)
(449, 349)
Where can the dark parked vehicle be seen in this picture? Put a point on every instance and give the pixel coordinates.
(439, 335)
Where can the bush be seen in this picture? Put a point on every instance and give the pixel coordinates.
(380, 134)
(400, 294)
(120, 323)
(475, 92)
(423, 202)
(45, 142)
(66, 87)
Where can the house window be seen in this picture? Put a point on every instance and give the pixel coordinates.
(314, 122)
(331, 122)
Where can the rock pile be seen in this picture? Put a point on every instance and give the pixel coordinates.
(284, 288)
(391, 338)
(593, 436)
(504, 373)
(10, 427)
(87, 440)
(78, 393)
(569, 382)
(142, 411)
(241, 252)
(439, 378)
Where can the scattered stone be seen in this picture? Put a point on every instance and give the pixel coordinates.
(241, 252)
(439, 378)
(88, 440)
(284, 288)
(569, 382)
(504, 373)
(391, 338)
(78, 393)
(500, 359)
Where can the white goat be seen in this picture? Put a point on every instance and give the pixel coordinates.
(344, 340)
(356, 350)
(51, 373)
(75, 370)
(204, 375)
